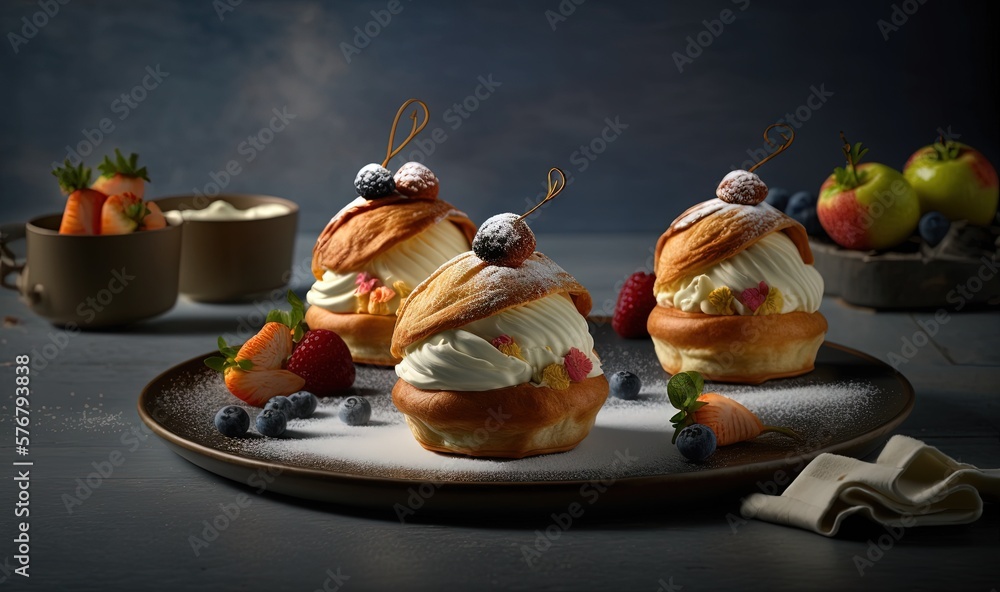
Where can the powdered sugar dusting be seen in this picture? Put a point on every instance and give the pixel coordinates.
(755, 218)
(741, 187)
(630, 438)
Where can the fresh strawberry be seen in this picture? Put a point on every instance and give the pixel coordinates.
(121, 175)
(635, 301)
(154, 219)
(257, 387)
(269, 348)
(122, 214)
(256, 371)
(82, 214)
(323, 360)
(731, 421)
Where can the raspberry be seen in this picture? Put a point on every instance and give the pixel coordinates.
(635, 302)
(374, 181)
(416, 181)
(323, 360)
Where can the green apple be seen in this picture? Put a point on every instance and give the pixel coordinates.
(867, 206)
(956, 180)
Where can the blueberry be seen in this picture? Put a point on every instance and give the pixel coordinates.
(778, 198)
(271, 423)
(625, 385)
(800, 201)
(933, 227)
(303, 404)
(232, 421)
(802, 208)
(696, 442)
(282, 404)
(355, 411)
(374, 181)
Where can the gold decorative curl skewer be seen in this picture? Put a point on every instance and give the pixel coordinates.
(555, 186)
(389, 151)
(788, 142)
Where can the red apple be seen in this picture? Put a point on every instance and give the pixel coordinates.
(867, 206)
(956, 180)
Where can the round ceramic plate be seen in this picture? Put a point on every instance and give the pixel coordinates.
(848, 405)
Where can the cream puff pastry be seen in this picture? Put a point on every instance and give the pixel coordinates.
(497, 359)
(737, 296)
(374, 252)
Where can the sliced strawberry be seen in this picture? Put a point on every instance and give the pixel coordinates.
(82, 213)
(731, 421)
(635, 301)
(324, 361)
(269, 348)
(121, 176)
(255, 372)
(121, 214)
(154, 219)
(256, 387)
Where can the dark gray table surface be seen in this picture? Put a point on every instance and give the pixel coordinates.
(132, 531)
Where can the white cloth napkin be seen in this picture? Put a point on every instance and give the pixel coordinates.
(911, 484)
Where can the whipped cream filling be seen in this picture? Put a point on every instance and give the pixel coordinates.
(463, 359)
(773, 259)
(410, 261)
(221, 210)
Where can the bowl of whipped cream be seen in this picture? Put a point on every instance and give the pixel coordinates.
(235, 246)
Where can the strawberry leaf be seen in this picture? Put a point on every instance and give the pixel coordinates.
(680, 388)
(72, 177)
(216, 363)
(122, 166)
(228, 358)
(698, 380)
(298, 309)
(683, 389)
(278, 316)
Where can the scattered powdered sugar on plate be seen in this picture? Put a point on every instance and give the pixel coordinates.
(630, 438)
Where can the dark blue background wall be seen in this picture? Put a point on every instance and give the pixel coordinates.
(558, 82)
